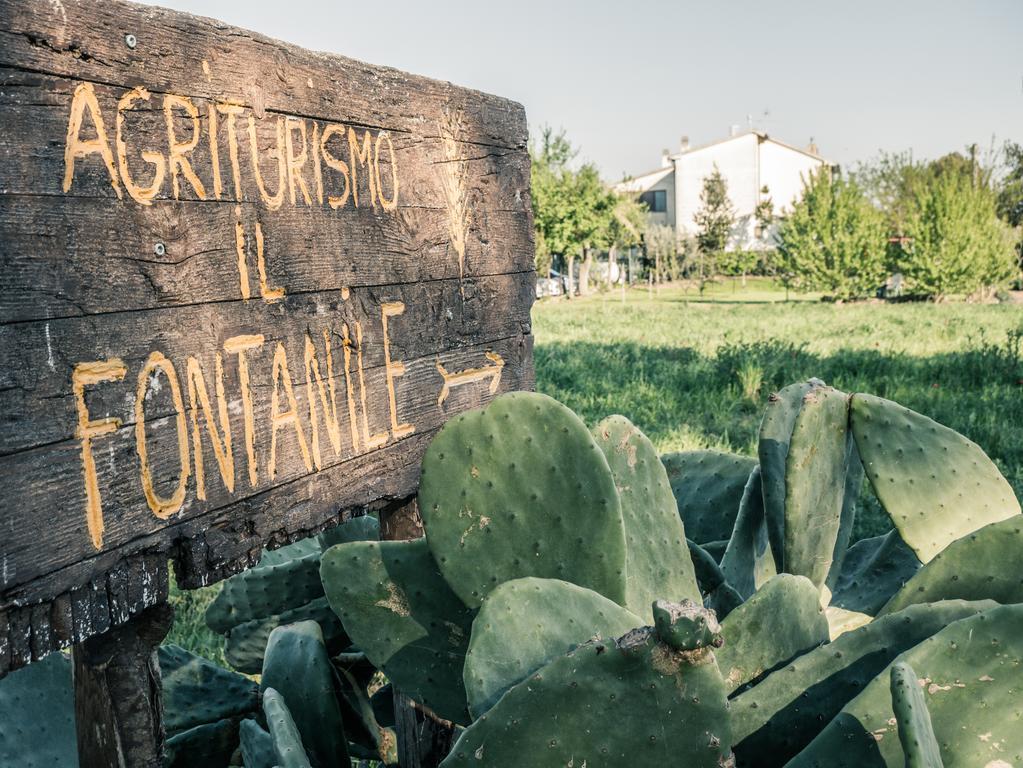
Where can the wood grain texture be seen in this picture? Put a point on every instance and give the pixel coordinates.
(338, 254)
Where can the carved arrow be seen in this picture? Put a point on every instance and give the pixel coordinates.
(469, 375)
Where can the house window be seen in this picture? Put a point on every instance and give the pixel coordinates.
(656, 200)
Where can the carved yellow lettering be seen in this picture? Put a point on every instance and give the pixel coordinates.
(394, 369)
(143, 195)
(269, 293)
(239, 345)
(273, 202)
(346, 344)
(364, 156)
(177, 153)
(239, 247)
(317, 164)
(211, 116)
(296, 162)
(387, 205)
(162, 508)
(378, 439)
(280, 419)
(335, 201)
(86, 375)
(199, 397)
(232, 111)
(76, 147)
(328, 404)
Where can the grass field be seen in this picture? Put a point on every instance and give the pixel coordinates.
(694, 372)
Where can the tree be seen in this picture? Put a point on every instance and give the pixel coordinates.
(591, 218)
(714, 221)
(833, 240)
(551, 179)
(957, 242)
(628, 223)
(1010, 196)
(661, 247)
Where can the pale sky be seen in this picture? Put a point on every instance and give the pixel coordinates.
(626, 79)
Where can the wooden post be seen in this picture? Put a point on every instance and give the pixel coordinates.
(118, 706)
(424, 739)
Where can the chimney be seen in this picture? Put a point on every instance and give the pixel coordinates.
(684, 144)
(734, 131)
(812, 148)
(665, 158)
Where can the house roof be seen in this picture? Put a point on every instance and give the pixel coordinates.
(761, 135)
(640, 182)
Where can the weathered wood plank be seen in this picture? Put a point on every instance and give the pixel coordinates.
(241, 287)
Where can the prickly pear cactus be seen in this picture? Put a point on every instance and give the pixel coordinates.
(686, 626)
(984, 564)
(717, 593)
(603, 705)
(974, 692)
(708, 487)
(284, 733)
(202, 746)
(748, 561)
(298, 668)
(197, 691)
(936, 485)
(246, 642)
(815, 469)
(853, 482)
(524, 624)
(519, 488)
(873, 570)
(362, 528)
(775, 719)
(401, 613)
(915, 730)
(256, 744)
(779, 420)
(657, 558)
(37, 715)
(779, 622)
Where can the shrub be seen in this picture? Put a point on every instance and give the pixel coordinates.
(833, 241)
(957, 243)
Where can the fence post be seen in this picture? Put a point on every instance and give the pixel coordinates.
(118, 704)
(424, 739)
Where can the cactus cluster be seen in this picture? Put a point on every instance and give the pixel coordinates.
(579, 601)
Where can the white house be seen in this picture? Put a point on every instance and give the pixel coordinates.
(754, 166)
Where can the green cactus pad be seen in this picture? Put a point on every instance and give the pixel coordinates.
(367, 740)
(257, 745)
(246, 642)
(362, 528)
(748, 561)
(37, 715)
(983, 565)
(401, 613)
(209, 745)
(781, 621)
(915, 730)
(773, 449)
(284, 733)
(298, 668)
(874, 569)
(657, 558)
(974, 691)
(851, 494)
(936, 485)
(283, 579)
(708, 487)
(717, 593)
(520, 488)
(776, 718)
(197, 691)
(686, 626)
(524, 624)
(815, 469)
(604, 704)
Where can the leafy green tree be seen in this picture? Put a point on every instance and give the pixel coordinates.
(957, 242)
(628, 223)
(716, 216)
(662, 249)
(1010, 197)
(834, 240)
(551, 180)
(592, 217)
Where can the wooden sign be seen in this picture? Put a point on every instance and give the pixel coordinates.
(241, 287)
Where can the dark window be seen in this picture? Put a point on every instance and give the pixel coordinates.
(656, 200)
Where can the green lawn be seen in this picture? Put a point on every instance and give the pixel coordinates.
(694, 372)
